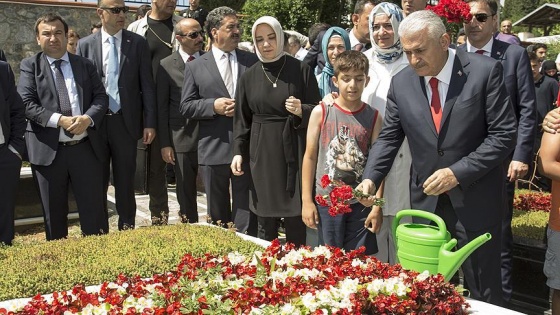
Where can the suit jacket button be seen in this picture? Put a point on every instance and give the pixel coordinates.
(440, 152)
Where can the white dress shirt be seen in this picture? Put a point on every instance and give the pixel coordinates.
(222, 64)
(72, 95)
(444, 77)
(487, 47)
(186, 56)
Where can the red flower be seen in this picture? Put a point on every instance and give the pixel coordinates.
(453, 11)
(325, 181)
(338, 199)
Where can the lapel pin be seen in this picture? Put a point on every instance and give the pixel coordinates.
(499, 53)
(460, 73)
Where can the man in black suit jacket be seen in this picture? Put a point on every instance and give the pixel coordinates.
(209, 98)
(133, 116)
(521, 89)
(179, 136)
(2, 55)
(65, 104)
(457, 164)
(12, 146)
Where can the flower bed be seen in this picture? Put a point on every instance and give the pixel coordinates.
(281, 280)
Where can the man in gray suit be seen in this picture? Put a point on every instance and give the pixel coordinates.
(460, 126)
(12, 146)
(132, 102)
(208, 96)
(179, 136)
(65, 105)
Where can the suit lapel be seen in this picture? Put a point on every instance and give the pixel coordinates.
(458, 80)
(240, 63)
(125, 48)
(498, 50)
(46, 69)
(426, 112)
(214, 71)
(178, 61)
(98, 53)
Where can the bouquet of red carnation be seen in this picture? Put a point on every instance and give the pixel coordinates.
(453, 13)
(338, 200)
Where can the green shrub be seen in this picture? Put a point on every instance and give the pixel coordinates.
(530, 214)
(59, 265)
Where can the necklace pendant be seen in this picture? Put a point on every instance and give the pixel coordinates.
(274, 85)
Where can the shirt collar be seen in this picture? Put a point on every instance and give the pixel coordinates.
(487, 47)
(64, 57)
(186, 56)
(444, 76)
(218, 53)
(353, 40)
(105, 36)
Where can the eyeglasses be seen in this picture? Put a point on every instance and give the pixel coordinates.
(193, 35)
(117, 10)
(482, 17)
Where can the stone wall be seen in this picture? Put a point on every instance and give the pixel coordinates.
(17, 20)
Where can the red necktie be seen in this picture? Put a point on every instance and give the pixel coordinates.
(191, 58)
(480, 52)
(435, 104)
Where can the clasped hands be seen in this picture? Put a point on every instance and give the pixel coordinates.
(224, 106)
(76, 125)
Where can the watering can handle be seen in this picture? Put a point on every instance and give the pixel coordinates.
(421, 214)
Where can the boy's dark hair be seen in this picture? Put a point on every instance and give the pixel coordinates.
(533, 56)
(351, 60)
(50, 17)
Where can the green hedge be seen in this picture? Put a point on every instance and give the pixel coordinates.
(59, 265)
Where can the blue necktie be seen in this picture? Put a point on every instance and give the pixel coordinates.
(113, 77)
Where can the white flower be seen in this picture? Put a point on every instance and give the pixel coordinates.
(236, 258)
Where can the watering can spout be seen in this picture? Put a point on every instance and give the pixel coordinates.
(449, 261)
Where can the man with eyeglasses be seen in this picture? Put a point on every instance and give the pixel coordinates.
(65, 105)
(209, 97)
(122, 59)
(157, 27)
(179, 136)
(521, 89)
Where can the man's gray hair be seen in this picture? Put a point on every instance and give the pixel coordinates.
(421, 20)
(215, 18)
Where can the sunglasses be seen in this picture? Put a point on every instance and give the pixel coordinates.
(193, 35)
(117, 10)
(482, 17)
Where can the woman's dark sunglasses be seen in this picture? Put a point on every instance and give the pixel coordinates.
(482, 17)
(117, 10)
(194, 35)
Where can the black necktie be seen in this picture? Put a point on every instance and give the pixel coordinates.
(62, 91)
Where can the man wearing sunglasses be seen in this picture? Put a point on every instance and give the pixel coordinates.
(157, 27)
(179, 136)
(521, 89)
(122, 59)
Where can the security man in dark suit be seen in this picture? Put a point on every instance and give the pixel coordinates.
(208, 96)
(65, 103)
(12, 146)
(179, 136)
(122, 59)
(521, 89)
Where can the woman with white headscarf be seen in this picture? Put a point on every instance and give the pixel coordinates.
(273, 103)
(386, 59)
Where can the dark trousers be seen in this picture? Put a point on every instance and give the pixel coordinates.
(217, 180)
(482, 268)
(186, 170)
(10, 165)
(76, 166)
(507, 242)
(157, 185)
(295, 229)
(121, 158)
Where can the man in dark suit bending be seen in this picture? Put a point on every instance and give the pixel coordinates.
(65, 103)
(208, 96)
(521, 89)
(460, 126)
(123, 61)
(179, 136)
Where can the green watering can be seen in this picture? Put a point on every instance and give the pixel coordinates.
(423, 247)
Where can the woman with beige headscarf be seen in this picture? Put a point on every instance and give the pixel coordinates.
(273, 103)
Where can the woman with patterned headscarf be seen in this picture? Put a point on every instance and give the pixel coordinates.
(273, 103)
(386, 59)
(335, 41)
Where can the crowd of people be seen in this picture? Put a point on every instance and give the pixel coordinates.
(392, 107)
